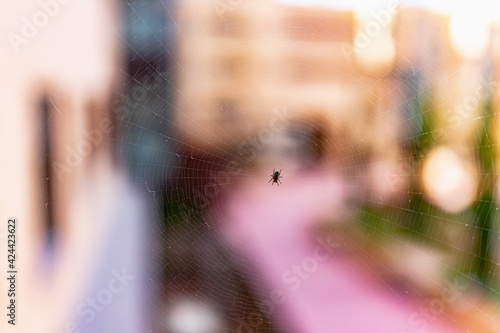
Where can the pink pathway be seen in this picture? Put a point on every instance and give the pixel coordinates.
(273, 228)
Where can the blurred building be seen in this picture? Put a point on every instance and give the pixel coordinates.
(238, 64)
(81, 226)
(333, 72)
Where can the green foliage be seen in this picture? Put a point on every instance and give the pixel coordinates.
(426, 138)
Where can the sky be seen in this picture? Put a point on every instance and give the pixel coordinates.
(483, 7)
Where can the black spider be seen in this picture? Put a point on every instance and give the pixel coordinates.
(275, 177)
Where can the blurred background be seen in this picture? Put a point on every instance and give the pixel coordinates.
(139, 139)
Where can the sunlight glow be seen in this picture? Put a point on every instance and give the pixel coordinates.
(449, 182)
(470, 29)
(373, 42)
(193, 317)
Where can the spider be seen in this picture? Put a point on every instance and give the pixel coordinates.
(275, 177)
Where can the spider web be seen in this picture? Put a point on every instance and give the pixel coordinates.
(387, 208)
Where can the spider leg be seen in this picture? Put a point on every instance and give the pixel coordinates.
(270, 180)
(280, 171)
(274, 170)
(280, 182)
